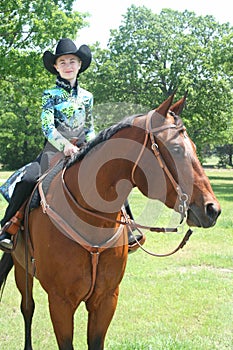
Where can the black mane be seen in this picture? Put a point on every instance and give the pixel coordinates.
(104, 135)
(107, 133)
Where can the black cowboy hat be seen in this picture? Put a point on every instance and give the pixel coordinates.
(65, 47)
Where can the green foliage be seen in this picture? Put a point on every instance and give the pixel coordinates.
(225, 154)
(151, 55)
(34, 25)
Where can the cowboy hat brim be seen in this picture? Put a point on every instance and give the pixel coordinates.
(84, 53)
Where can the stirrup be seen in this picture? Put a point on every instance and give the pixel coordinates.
(6, 243)
(11, 229)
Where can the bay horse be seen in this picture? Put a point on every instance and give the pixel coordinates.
(77, 244)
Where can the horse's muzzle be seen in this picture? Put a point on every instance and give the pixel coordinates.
(205, 216)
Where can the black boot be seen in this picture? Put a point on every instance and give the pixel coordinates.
(132, 243)
(6, 242)
(132, 240)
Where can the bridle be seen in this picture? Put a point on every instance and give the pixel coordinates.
(150, 132)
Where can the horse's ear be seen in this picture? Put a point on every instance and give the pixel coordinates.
(165, 106)
(178, 107)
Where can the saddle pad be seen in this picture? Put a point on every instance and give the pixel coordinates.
(8, 187)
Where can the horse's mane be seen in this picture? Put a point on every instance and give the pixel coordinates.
(107, 133)
(103, 135)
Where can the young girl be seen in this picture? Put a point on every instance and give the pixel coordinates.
(66, 114)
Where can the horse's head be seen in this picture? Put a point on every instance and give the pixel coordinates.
(178, 177)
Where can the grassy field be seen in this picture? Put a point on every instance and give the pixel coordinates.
(183, 302)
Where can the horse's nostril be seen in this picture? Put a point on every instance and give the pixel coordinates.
(212, 210)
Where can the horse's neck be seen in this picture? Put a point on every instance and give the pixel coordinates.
(103, 189)
(102, 180)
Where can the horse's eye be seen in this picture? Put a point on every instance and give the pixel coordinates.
(176, 150)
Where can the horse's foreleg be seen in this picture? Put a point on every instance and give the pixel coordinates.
(100, 312)
(27, 302)
(62, 316)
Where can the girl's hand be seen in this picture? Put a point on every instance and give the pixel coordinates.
(70, 149)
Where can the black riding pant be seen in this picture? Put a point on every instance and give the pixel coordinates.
(22, 191)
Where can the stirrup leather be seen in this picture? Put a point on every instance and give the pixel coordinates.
(13, 226)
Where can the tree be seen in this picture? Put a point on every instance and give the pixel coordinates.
(152, 55)
(225, 154)
(25, 35)
(148, 57)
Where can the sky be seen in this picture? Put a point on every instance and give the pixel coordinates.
(107, 14)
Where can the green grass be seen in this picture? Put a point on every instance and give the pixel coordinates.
(183, 302)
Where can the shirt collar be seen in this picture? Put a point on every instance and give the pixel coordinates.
(65, 84)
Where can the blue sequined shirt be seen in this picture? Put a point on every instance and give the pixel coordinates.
(67, 113)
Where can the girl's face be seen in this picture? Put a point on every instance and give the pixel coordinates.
(68, 67)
